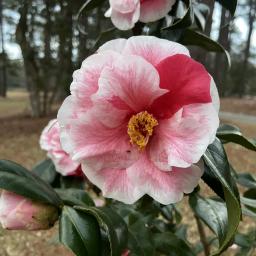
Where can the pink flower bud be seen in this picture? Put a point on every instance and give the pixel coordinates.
(19, 213)
(126, 253)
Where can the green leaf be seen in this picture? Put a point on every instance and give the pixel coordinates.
(15, 178)
(231, 133)
(141, 238)
(73, 197)
(89, 5)
(212, 212)
(187, 19)
(171, 245)
(77, 182)
(193, 37)
(216, 160)
(113, 225)
(46, 170)
(247, 180)
(229, 5)
(201, 12)
(80, 232)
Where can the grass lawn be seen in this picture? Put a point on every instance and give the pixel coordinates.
(19, 136)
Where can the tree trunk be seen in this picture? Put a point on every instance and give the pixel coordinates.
(29, 57)
(47, 57)
(3, 81)
(201, 55)
(251, 19)
(221, 66)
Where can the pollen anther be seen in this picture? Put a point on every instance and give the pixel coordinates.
(140, 128)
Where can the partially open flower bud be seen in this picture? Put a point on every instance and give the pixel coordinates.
(19, 213)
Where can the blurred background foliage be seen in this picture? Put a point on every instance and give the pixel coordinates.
(44, 41)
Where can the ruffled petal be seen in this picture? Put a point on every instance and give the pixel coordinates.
(89, 137)
(131, 83)
(164, 187)
(181, 141)
(124, 6)
(187, 81)
(116, 45)
(85, 79)
(215, 96)
(125, 21)
(153, 49)
(155, 9)
(109, 173)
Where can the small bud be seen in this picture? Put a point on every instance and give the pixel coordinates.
(126, 253)
(20, 213)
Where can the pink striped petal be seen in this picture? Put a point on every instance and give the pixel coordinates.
(153, 49)
(164, 187)
(182, 141)
(125, 21)
(130, 83)
(152, 10)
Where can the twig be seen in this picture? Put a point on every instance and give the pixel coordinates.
(203, 237)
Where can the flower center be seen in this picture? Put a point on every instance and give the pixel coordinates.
(140, 128)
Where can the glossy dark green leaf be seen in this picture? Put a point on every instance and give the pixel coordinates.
(249, 202)
(187, 19)
(73, 197)
(212, 212)
(113, 225)
(15, 178)
(80, 232)
(46, 171)
(247, 180)
(200, 19)
(193, 37)
(89, 5)
(231, 133)
(141, 241)
(216, 160)
(77, 182)
(229, 5)
(246, 242)
(169, 244)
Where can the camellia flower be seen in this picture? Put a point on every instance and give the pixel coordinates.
(140, 116)
(50, 141)
(125, 13)
(19, 213)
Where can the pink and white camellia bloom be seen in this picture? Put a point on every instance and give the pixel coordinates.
(19, 213)
(140, 116)
(125, 13)
(50, 141)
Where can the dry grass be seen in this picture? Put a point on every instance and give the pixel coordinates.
(245, 106)
(19, 142)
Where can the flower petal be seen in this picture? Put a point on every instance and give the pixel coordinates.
(112, 180)
(182, 141)
(152, 48)
(164, 187)
(85, 79)
(187, 81)
(130, 82)
(155, 9)
(89, 137)
(116, 45)
(125, 21)
(124, 6)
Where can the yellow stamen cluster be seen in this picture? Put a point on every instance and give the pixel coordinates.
(140, 128)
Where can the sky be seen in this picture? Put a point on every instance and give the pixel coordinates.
(14, 52)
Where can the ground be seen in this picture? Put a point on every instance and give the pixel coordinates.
(19, 136)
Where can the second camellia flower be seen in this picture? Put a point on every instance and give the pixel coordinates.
(124, 14)
(140, 116)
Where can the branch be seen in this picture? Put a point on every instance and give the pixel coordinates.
(203, 237)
